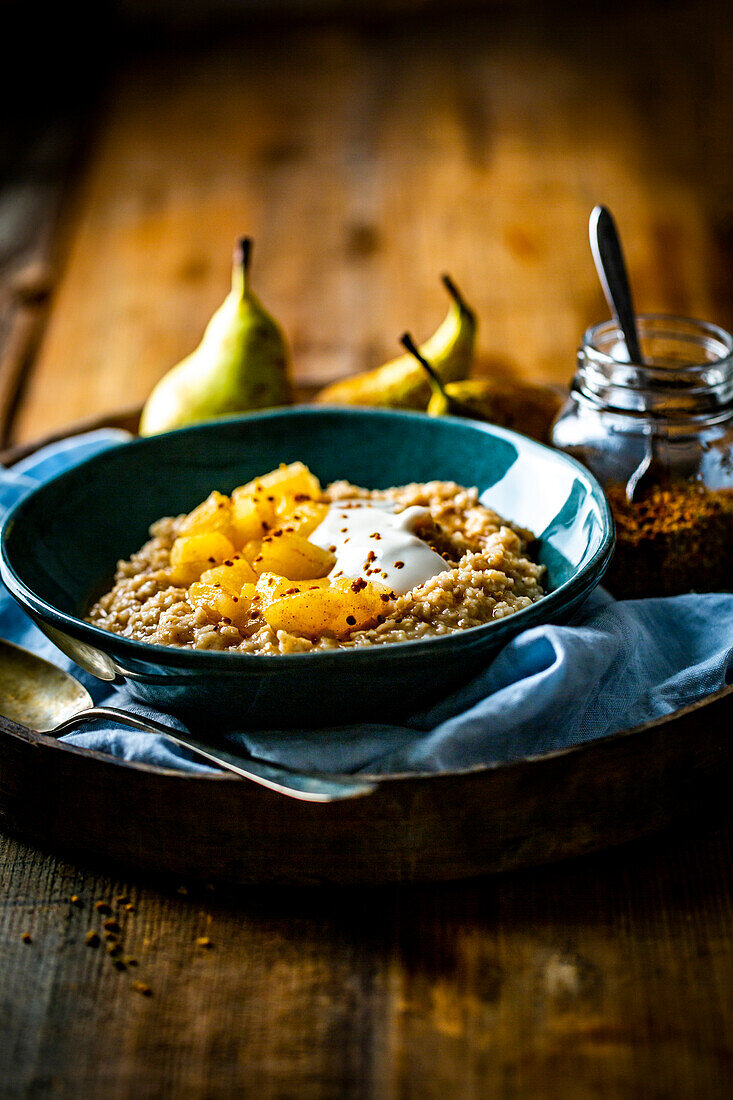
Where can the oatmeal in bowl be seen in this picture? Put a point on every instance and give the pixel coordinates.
(268, 641)
(283, 565)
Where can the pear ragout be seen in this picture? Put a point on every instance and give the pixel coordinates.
(240, 572)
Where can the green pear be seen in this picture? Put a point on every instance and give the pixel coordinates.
(401, 383)
(240, 364)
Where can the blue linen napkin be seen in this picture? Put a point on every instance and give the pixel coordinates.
(619, 663)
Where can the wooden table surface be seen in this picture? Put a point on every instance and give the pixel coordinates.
(366, 157)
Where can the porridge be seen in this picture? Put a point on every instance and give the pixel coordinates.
(284, 566)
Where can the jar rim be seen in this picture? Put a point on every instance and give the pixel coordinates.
(653, 322)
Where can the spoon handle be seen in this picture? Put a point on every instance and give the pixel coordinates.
(608, 257)
(303, 786)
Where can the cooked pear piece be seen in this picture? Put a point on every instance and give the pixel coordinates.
(231, 575)
(213, 514)
(302, 518)
(242, 363)
(261, 504)
(272, 587)
(401, 384)
(336, 610)
(294, 480)
(524, 408)
(252, 516)
(220, 604)
(290, 556)
(192, 555)
(226, 591)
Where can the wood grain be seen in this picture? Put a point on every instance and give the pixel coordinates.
(44, 129)
(608, 977)
(366, 159)
(31, 243)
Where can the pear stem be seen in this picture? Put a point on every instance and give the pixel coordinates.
(242, 260)
(243, 253)
(407, 342)
(456, 295)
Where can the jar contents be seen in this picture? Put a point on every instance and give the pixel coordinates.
(676, 539)
(658, 435)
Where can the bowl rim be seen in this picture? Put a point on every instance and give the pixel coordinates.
(587, 576)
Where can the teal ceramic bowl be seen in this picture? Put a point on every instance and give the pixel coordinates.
(60, 545)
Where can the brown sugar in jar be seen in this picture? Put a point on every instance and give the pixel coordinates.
(673, 418)
(678, 539)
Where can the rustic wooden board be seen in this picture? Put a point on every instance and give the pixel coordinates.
(606, 977)
(384, 155)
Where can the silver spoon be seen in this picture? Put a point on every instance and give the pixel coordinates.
(605, 244)
(36, 694)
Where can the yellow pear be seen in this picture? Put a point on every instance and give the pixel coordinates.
(401, 383)
(240, 364)
(520, 406)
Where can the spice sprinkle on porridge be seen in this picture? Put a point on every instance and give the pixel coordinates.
(284, 566)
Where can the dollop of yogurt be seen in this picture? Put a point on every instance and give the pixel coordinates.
(377, 542)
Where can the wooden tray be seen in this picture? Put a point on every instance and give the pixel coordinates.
(411, 828)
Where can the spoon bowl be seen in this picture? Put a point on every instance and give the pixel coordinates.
(35, 693)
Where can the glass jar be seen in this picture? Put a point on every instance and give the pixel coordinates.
(659, 438)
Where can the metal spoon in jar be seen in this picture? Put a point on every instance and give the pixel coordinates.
(36, 694)
(605, 244)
